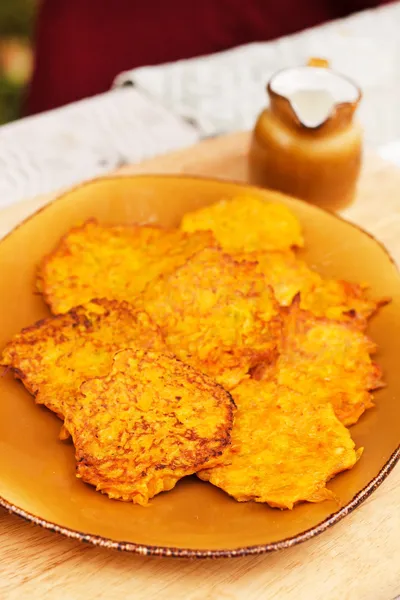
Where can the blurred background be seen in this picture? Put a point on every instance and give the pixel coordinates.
(53, 52)
(16, 54)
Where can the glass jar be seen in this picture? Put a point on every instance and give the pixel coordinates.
(307, 143)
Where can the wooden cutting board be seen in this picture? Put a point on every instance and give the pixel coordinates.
(358, 559)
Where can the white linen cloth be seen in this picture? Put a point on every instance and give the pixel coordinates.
(225, 92)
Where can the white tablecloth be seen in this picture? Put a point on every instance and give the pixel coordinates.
(226, 91)
(218, 93)
(64, 146)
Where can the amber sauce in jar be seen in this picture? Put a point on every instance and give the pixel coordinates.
(306, 143)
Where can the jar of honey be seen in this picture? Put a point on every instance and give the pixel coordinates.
(307, 143)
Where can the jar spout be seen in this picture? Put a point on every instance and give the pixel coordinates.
(312, 107)
(314, 94)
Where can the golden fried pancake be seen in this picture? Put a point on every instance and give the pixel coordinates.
(335, 299)
(150, 422)
(54, 356)
(328, 361)
(97, 261)
(247, 223)
(287, 274)
(341, 300)
(283, 449)
(217, 314)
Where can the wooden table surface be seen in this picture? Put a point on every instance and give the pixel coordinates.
(358, 559)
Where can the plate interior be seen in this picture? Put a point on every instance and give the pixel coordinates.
(37, 470)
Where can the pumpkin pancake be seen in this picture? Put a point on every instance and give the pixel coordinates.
(335, 299)
(283, 450)
(326, 361)
(113, 262)
(150, 422)
(217, 314)
(247, 224)
(54, 356)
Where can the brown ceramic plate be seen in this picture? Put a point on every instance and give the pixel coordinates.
(37, 479)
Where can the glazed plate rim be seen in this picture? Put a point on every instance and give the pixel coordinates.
(179, 552)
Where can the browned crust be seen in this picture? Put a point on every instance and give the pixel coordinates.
(40, 271)
(207, 447)
(74, 317)
(74, 313)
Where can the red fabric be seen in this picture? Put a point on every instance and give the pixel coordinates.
(83, 44)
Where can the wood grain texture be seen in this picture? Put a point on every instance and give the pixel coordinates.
(357, 559)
